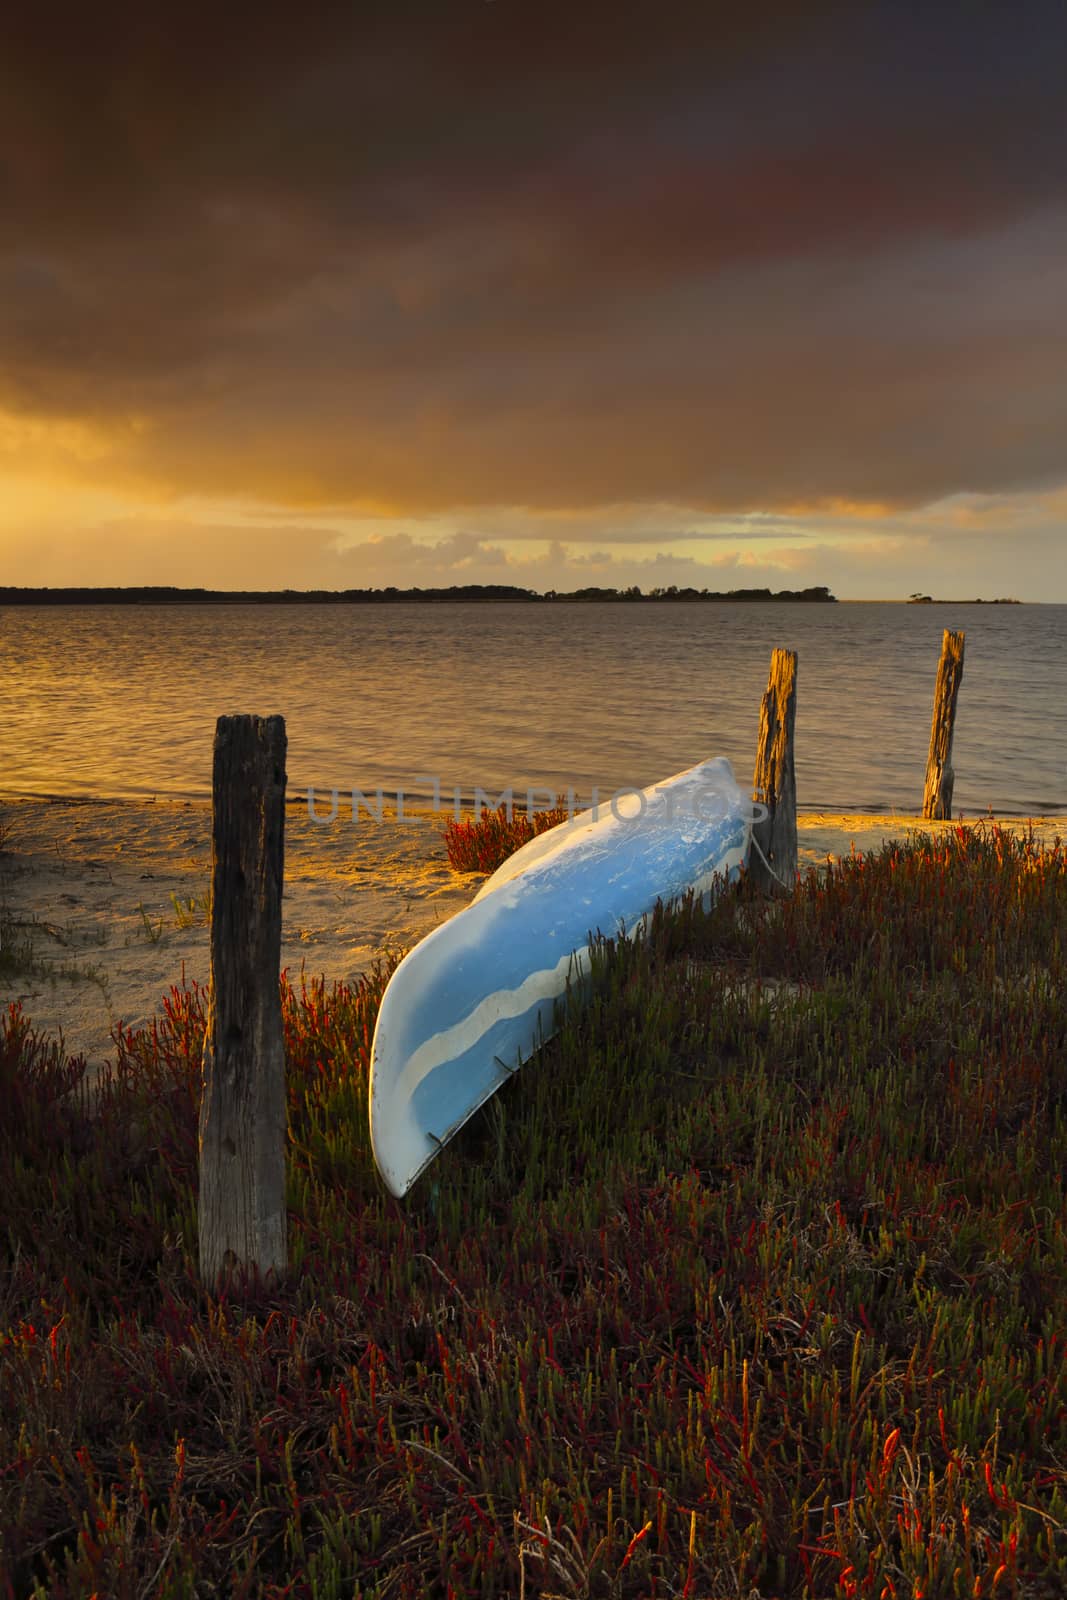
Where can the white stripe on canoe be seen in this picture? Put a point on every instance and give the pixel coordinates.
(547, 984)
(504, 1003)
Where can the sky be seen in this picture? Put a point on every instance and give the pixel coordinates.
(489, 291)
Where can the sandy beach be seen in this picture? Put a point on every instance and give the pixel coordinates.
(106, 901)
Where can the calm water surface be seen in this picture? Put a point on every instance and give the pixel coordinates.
(121, 701)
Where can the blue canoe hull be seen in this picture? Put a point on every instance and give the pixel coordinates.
(478, 995)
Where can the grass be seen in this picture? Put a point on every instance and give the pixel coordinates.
(20, 942)
(191, 910)
(153, 931)
(482, 843)
(753, 1284)
(16, 946)
(20, 955)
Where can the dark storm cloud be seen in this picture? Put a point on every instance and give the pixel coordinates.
(483, 252)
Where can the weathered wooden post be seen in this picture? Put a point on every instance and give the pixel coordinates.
(937, 796)
(242, 1217)
(774, 783)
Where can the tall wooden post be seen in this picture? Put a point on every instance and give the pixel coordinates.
(937, 795)
(774, 783)
(242, 1217)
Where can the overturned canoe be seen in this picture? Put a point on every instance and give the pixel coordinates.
(478, 995)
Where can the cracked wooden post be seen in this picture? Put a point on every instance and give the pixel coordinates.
(774, 783)
(242, 1217)
(937, 795)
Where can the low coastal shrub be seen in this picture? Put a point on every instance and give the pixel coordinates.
(754, 1283)
(484, 842)
(189, 910)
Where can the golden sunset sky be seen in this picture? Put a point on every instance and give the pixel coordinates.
(548, 294)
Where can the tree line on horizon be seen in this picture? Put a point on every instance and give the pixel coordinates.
(164, 594)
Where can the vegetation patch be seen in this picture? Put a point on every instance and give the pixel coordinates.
(484, 842)
(753, 1283)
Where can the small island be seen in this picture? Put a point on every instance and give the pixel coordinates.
(928, 600)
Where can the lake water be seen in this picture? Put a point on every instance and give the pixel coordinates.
(121, 701)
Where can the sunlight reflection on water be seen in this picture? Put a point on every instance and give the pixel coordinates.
(122, 700)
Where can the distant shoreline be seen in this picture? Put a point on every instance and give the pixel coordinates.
(480, 594)
(485, 594)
